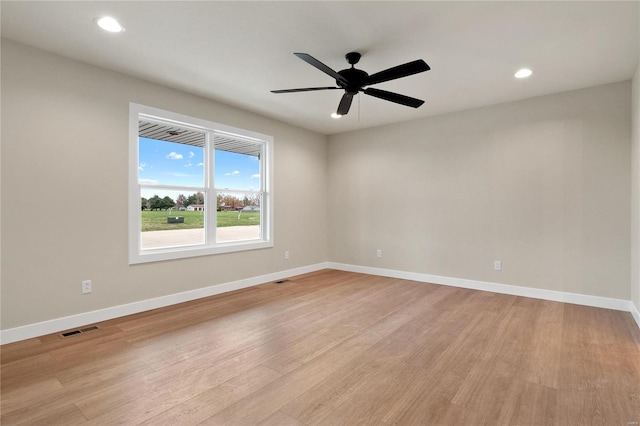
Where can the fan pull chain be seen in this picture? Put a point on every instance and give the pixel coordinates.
(358, 107)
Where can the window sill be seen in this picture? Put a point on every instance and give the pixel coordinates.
(171, 253)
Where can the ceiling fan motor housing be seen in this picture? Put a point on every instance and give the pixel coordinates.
(356, 80)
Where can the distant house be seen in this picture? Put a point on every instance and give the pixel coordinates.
(195, 208)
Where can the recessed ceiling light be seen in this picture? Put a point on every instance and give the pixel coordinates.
(335, 115)
(523, 73)
(107, 23)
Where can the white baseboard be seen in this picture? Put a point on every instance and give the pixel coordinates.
(635, 313)
(536, 293)
(66, 323)
(60, 324)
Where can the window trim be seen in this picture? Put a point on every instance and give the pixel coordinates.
(136, 254)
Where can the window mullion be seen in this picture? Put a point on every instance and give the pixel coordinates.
(211, 210)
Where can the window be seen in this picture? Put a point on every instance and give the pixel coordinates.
(196, 187)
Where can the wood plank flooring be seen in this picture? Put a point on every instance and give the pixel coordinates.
(335, 348)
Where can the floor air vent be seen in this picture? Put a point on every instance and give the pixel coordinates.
(281, 281)
(78, 331)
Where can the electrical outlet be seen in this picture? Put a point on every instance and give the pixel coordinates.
(286, 255)
(497, 265)
(86, 286)
(379, 253)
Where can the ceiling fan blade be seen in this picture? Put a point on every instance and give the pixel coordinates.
(322, 67)
(394, 97)
(345, 104)
(403, 70)
(306, 89)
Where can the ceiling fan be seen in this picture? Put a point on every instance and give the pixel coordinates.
(353, 81)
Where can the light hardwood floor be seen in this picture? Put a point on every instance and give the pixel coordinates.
(335, 348)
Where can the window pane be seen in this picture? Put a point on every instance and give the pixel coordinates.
(170, 163)
(171, 218)
(236, 171)
(238, 216)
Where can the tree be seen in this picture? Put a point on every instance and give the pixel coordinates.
(230, 201)
(167, 203)
(155, 202)
(181, 201)
(144, 203)
(197, 198)
(254, 200)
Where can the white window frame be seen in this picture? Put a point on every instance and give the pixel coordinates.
(210, 247)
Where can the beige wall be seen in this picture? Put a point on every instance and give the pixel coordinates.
(64, 191)
(635, 192)
(542, 185)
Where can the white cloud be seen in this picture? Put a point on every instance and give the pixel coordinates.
(200, 164)
(174, 156)
(142, 166)
(256, 176)
(188, 165)
(233, 173)
(148, 181)
(191, 154)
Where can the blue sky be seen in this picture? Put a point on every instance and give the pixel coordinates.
(170, 163)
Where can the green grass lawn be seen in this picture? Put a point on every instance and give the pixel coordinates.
(157, 220)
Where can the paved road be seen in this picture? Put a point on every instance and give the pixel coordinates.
(179, 237)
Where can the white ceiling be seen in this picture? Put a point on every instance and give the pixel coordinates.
(236, 52)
